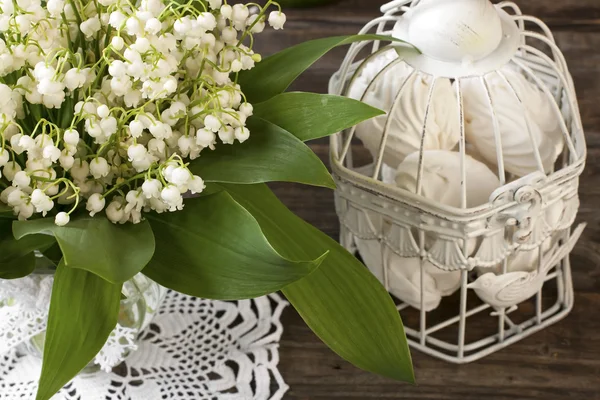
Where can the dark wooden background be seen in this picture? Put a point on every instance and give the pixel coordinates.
(562, 362)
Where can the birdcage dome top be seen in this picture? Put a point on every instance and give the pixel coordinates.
(485, 101)
(458, 38)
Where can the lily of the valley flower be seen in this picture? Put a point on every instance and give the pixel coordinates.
(104, 103)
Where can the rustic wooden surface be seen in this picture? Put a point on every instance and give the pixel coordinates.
(562, 362)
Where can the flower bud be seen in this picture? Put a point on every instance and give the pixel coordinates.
(62, 219)
(117, 43)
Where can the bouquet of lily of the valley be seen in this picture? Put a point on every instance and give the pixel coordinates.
(136, 137)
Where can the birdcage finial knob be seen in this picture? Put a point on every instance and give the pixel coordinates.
(455, 30)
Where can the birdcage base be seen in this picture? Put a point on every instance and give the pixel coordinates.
(442, 350)
(458, 344)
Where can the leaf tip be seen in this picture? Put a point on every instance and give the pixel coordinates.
(317, 263)
(330, 184)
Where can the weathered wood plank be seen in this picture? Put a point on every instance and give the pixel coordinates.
(563, 13)
(555, 364)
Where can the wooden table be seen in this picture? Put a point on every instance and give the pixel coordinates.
(562, 362)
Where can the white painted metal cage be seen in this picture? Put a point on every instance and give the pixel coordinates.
(463, 196)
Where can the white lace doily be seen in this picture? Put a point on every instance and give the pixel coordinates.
(193, 350)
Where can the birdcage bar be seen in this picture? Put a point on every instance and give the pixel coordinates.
(351, 134)
(386, 129)
(562, 78)
(419, 187)
(355, 48)
(561, 83)
(538, 302)
(556, 107)
(462, 146)
(394, 6)
(561, 63)
(478, 344)
(534, 144)
(516, 9)
(502, 313)
(568, 278)
(497, 136)
(423, 314)
(514, 333)
(560, 287)
(550, 69)
(454, 320)
(463, 184)
(346, 155)
(348, 65)
(559, 56)
(463, 314)
(538, 22)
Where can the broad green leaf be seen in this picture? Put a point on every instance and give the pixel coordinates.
(11, 247)
(311, 116)
(53, 254)
(215, 249)
(17, 267)
(114, 252)
(342, 302)
(275, 74)
(84, 310)
(270, 154)
(16, 256)
(6, 211)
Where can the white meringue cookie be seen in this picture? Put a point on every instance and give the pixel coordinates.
(442, 178)
(405, 281)
(521, 261)
(408, 114)
(515, 121)
(371, 253)
(388, 174)
(404, 277)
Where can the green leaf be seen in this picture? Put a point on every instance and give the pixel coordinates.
(276, 73)
(311, 116)
(53, 254)
(17, 259)
(215, 249)
(342, 302)
(67, 112)
(114, 252)
(17, 267)
(11, 247)
(270, 154)
(6, 211)
(84, 310)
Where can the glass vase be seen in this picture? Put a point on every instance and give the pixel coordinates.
(141, 299)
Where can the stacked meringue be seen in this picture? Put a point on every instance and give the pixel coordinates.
(526, 123)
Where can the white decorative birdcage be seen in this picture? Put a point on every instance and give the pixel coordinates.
(462, 198)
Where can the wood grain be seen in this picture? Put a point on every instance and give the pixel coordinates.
(562, 362)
